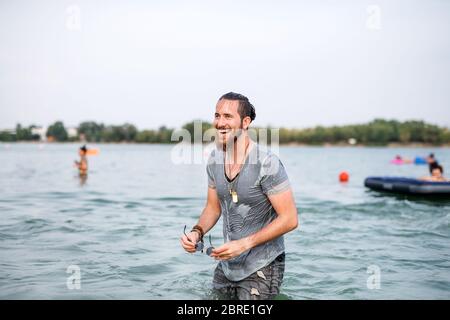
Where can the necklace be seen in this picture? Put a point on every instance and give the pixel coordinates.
(231, 185)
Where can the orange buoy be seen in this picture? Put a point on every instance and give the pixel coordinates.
(92, 152)
(343, 176)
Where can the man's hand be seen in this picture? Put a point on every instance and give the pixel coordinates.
(231, 249)
(189, 244)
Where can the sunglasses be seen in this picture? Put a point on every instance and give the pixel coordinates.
(199, 246)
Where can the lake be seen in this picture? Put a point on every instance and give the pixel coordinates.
(119, 230)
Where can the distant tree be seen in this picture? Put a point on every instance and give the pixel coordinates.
(91, 130)
(446, 135)
(146, 136)
(6, 136)
(164, 135)
(190, 126)
(123, 133)
(22, 133)
(57, 131)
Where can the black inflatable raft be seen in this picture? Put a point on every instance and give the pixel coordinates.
(408, 186)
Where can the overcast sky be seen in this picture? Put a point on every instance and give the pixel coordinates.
(301, 63)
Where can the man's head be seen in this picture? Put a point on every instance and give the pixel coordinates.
(437, 171)
(234, 113)
(83, 150)
(431, 159)
(433, 165)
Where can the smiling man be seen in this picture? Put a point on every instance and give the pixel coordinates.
(250, 188)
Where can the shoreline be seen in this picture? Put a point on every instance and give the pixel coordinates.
(290, 144)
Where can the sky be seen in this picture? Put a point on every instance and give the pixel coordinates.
(153, 63)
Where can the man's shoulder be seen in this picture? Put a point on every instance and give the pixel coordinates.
(269, 161)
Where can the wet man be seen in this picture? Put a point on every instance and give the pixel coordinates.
(249, 187)
(436, 174)
(82, 165)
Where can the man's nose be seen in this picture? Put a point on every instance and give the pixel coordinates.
(220, 122)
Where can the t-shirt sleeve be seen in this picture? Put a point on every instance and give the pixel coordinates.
(274, 178)
(211, 179)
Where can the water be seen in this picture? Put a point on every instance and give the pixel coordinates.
(122, 226)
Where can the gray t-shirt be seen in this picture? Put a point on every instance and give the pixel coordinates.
(261, 175)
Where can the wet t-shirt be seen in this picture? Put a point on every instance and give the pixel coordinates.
(261, 175)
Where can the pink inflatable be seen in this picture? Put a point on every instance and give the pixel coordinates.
(397, 161)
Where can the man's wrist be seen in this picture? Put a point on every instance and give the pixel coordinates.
(197, 233)
(194, 236)
(248, 243)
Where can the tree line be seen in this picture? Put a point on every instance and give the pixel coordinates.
(376, 132)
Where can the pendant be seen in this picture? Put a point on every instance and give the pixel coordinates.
(234, 196)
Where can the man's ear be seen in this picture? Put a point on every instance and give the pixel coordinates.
(246, 122)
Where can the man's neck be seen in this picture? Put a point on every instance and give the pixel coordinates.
(236, 152)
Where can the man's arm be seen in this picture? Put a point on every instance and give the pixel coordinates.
(286, 220)
(209, 217)
(211, 213)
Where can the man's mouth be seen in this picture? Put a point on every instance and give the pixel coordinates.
(224, 131)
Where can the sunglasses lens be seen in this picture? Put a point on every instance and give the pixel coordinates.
(209, 251)
(199, 246)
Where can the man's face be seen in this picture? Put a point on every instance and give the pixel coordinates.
(227, 121)
(436, 173)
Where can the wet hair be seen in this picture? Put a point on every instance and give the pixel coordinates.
(431, 155)
(245, 109)
(435, 165)
(83, 148)
(438, 167)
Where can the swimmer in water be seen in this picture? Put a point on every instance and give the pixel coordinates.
(436, 174)
(400, 160)
(82, 165)
(432, 162)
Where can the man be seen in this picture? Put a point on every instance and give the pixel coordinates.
(250, 188)
(432, 162)
(436, 174)
(431, 159)
(82, 165)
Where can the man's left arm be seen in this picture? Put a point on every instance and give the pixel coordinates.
(286, 220)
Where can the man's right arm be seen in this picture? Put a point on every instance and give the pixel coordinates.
(209, 217)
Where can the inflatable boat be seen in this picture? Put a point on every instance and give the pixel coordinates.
(408, 186)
